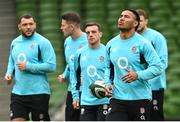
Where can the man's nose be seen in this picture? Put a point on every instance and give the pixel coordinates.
(28, 26)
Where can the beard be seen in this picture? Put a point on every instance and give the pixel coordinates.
(124, 29)
(140, 29)
(27, 36)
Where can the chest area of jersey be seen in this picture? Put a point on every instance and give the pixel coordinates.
(25, 51)
(71, 49)
(92, 60)
(120, 54)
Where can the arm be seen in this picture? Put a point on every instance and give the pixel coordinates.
(11, 67)
(154, 64)
(107, 76)
(66, 72)
(160, 46)
(48, 60)
(65, 75)
(73, 73)
(109, 73)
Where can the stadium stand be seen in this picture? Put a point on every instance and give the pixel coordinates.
(50, 28)
(7, 33)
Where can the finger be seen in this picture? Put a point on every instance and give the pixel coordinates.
(62, 76)
(59, 77)
(77, 103)
(77, 107)
(125, 77)
(108, 92)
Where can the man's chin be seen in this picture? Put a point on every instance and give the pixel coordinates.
(27, 35)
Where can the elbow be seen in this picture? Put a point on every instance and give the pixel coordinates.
(52, 68)
(159, 70)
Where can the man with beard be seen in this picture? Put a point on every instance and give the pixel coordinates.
(135, 62)
(158, 84)
(31, 58)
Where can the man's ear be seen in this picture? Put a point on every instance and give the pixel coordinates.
(136, 23)
(19, 26)
(101, 34)
(72, 26)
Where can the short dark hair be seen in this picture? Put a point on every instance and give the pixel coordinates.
(72, 17)
(141, 12)
(93, 24)
(27, 16)
(136, 15)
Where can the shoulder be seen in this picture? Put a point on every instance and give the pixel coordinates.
(67, 40)
(155, 33)
(84, 35)
(140, 40)
(40, 38)
(42, 41)
(111, 41)
(80, 51)
(83, 49)
(83, 38)
(17, 39)
(103, 46)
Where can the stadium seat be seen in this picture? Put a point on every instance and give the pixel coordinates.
(158, 4)
(175, 4)
(70, 7)
(137, 4)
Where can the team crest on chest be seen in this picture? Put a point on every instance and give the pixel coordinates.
(101, 58)
(134, 49)
(32, 46)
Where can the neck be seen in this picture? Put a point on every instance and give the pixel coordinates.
(94, 46)
(77, 33)
(127, 34)
(142, 31)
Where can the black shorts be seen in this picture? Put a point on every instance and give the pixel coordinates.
(71, 114)
(128, 110)
(35, 105)
(94, 113)
(157, 112)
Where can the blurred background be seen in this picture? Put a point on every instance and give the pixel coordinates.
(164, 16)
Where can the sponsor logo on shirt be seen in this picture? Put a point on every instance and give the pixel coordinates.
(80, 46)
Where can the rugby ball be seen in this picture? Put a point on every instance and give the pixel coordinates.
(97, 89)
